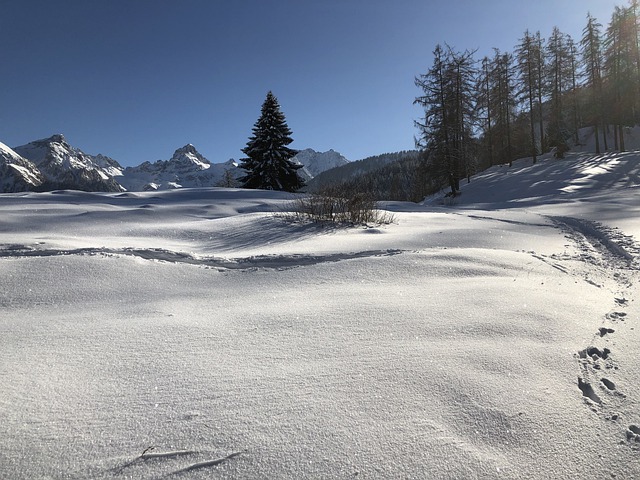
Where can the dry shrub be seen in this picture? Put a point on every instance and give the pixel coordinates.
(338, 206)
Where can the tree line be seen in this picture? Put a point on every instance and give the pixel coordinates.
(479, 113)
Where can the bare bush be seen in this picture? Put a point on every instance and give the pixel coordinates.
(336, 205)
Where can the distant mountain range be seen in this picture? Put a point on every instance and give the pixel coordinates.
(53, 164)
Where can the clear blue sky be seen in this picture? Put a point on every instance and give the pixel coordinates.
(137, 79)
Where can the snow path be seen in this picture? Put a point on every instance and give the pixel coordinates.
(618, 256)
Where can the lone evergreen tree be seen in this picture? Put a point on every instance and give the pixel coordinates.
(268, 163)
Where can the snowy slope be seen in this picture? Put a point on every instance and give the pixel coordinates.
(186, 168)
(67, 167)
(17, 174)
(198, 333)
(585, 181)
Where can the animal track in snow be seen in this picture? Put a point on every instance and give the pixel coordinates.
(616, 257)
(587, 391)
(633, 433)
(614, 316)
(604, 330)
(594, 353)
(608, 383)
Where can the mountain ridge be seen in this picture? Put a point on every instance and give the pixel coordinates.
(53, 164)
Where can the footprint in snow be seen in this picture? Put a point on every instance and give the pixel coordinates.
(608, 383)
(604, 330)
(587, 391)
(616, 316)
(594, 353)
(633, 433)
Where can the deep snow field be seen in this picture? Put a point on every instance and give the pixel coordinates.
(200, 334)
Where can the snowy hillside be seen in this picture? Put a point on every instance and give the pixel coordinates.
(198, 333)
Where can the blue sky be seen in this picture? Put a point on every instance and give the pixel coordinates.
(137, 79)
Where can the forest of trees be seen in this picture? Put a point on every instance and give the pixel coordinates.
(525, 103)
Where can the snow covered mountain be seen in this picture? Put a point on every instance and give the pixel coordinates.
(108, 165)
(315, 163)
(186, 168)
(53, 164)
(17, 174)
(66, 167)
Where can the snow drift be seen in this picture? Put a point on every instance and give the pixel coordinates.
(198, 332)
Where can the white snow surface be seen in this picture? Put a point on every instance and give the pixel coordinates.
(198, 333)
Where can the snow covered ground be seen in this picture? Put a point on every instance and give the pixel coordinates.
(198, 334)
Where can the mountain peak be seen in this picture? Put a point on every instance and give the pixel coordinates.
(188, 156)
(188, 148)
(57, 138)
(67, 167)
(317, 162)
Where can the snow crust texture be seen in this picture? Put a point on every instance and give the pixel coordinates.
(199, 333)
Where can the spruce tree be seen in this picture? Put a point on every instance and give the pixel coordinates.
(268, 163)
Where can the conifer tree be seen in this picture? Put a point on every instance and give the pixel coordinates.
(532, 87)
(448, 98)
(559, 76)
(484, 105)
(526, 55)
(503, 103)
(592, 60)
(268, 163)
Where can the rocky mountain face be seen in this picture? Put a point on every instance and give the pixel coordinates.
(108, 165)
(186, 168)
(17, 174)
(66, 167)
(53, 164)
(315, 163)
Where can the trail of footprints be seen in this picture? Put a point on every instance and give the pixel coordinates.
(598, 363)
